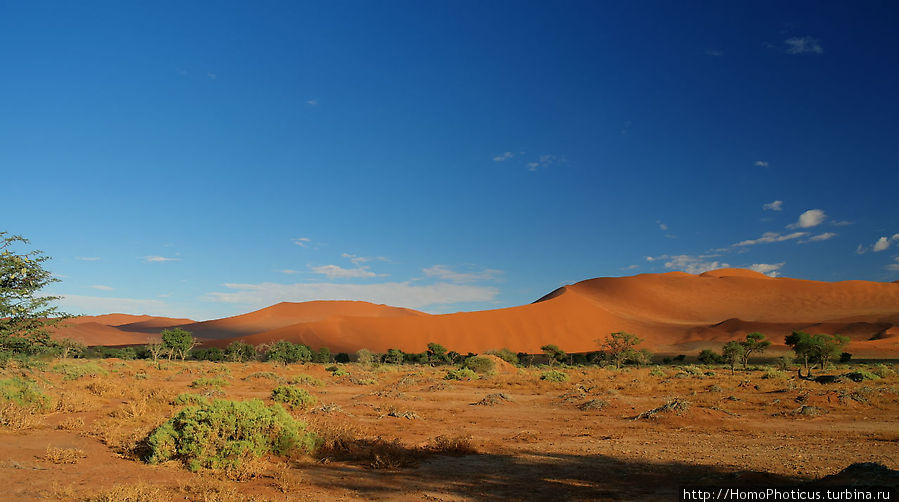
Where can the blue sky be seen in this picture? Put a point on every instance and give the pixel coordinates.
(204, 159)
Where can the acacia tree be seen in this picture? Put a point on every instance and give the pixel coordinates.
(553, 353)
(820, 348)
(733, 353)
(24, 315)
(178, 341)
(620, 348)
(755, 342)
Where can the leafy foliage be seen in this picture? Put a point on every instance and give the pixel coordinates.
(620, 347)
(437, 354)
(223, 434)
(178, 341)
(553, 353)
(554, 376)
(816, 349)
(287, 352)
(710, 357)
(733, 353)
(293, 396)
(479, 364)
(755, 342)
(240, 352)
(461, 374)
(24, 315)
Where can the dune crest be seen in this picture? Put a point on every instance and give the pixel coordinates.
(673, 312)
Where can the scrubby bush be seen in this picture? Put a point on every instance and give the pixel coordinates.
(506, 355)
(285, 352)
(213, 354)
(74, 371)
(188, 398)
(771, 373)
(223, 434)
(553, 353)
(461, 374)
(209, 382)
(294, 396)
(657, 372)
(23, 393)
(337, 371)
(479, 364)
(322, 355)
(710, 357)
(554, 376)
(240, 352)
(306, 380)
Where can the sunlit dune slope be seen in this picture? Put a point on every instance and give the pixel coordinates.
(673, 312)
(287, 313)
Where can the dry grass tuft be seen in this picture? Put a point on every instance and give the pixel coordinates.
(63, 455)
(134, 492)
(445, 445)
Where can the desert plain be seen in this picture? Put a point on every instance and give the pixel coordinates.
(541, 430)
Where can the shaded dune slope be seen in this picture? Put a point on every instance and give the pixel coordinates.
(673, 312)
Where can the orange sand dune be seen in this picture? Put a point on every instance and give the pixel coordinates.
(673, 312)
(93, 333)
(287, 313)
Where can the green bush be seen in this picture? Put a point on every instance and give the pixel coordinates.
(262, 374)
(461, 374)
(506, 355)
(285, 352)
(74, 371)
(554, 376)
(771, 373)
(657, 372)
(24, 393)
(479, 364)
(188, 398)
(337, 371)
(222, 434)
(302, 379)
(294, 396)
(209, 382)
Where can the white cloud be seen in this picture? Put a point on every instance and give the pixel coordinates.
(212, 76)
(503, 157)
(803, 45)
(362, 259)
(774, 206)
(159, 259)
(821, 237)
(881, 244)
(400, 294)
(761, 163)
(338, 272)
(312, 102)
(769, 269)
(303, 242)
(544, 161)
(893, 266)
(289, 271)
(631, 267)
(769, 237)
(714, 52)
(841, 223)
(810, 218)
(692, 264)
(102, 287)
(662, 226)
(87, 258)
(94, 305)
(446, 273)
(861, 249)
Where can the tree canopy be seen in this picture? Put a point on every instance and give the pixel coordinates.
(24, 314)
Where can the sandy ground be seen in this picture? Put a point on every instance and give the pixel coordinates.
(533, 443)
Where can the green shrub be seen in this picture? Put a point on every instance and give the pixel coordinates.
(506, 355)
(294, 396)
(24, 393)
(867, 375)
(306, 380)
(262, 374)
(209, 382)
(74, 371)
(554, 376)
(771, 373)
(882, 370)
(188, 398)
(222, 434)
(461, 374)
(285, 352)
(657, 372)
(479, 364)
(337, 371)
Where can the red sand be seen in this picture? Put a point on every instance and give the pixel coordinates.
(674, 312)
